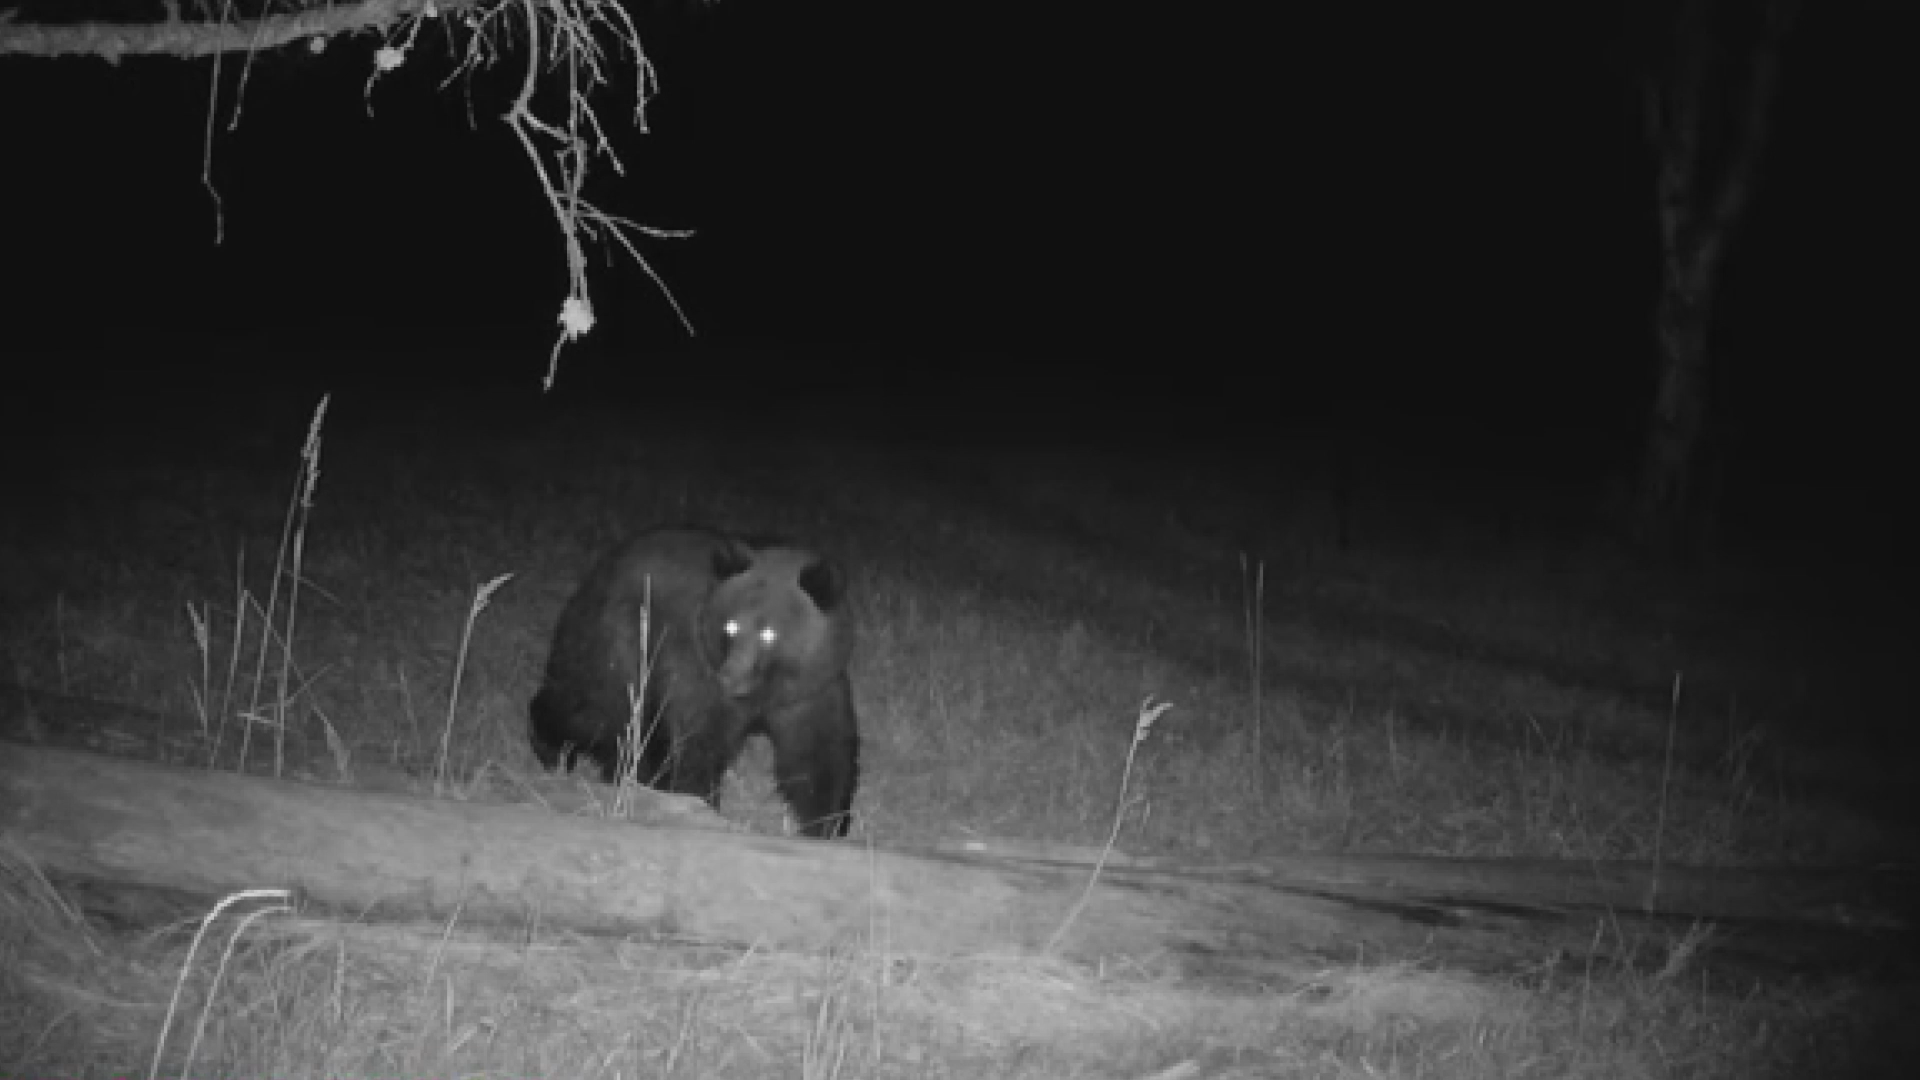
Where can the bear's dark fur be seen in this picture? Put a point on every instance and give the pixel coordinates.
(740, 637)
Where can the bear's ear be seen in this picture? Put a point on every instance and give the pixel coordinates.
(730, 560)
(823, 584)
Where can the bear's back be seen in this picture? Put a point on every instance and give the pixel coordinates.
(668, 571)
(675, 565)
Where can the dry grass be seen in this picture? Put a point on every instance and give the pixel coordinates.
(1013, 616)
(290, 997)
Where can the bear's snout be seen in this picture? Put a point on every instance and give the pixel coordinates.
(739, 675)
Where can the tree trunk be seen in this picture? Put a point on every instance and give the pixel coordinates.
(1667, 505)
(1699, 200)
(88, 819)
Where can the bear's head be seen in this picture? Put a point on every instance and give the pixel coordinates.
(773, 628)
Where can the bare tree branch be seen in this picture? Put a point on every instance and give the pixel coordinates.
(186, 37)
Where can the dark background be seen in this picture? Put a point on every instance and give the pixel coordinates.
(1423, 232)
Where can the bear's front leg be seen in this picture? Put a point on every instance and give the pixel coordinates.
(816, 760)
(699, 750)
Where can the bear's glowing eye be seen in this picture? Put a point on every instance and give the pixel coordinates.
(732, 629)
(768, 636)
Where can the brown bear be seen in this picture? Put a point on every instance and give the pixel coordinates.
(715, 638)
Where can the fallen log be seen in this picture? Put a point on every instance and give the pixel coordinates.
(92, 818)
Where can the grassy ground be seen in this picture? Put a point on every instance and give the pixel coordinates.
(1449, 684)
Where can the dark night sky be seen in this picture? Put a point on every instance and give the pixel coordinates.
(1441, 217)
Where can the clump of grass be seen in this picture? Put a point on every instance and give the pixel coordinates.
(1254, 589)
(286, 568)
(1666, 787)
(830, 1030)
(293, 546)
(480, 597)
(1150, 711)
(639, 726)
(278, 902)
